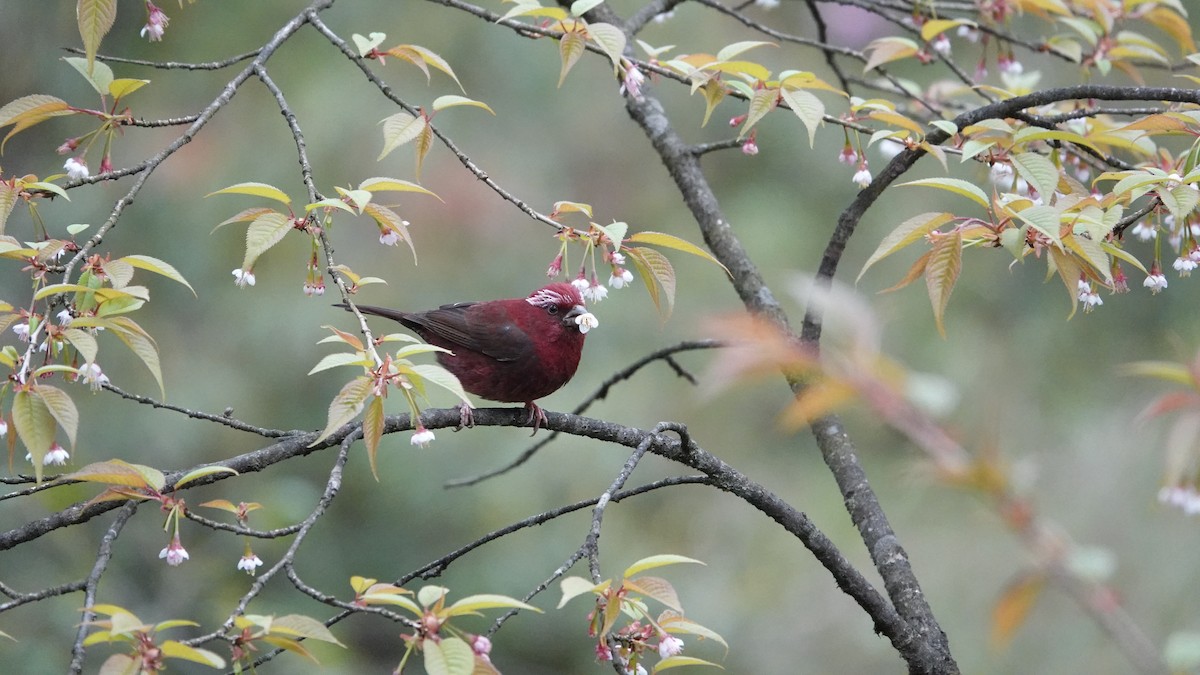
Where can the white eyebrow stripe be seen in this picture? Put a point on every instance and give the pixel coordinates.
(546, 297)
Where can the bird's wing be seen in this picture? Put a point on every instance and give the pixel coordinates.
(487, 328)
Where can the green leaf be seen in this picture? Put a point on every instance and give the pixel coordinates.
(178, 650)
(119, 472)
(912, 230)
(366, 44)
(203, 471)
(614, 231)
(451, 656)
(1039, 171)
(671, 241)
(95, 18)
(157, 266)
(340, 359)
(451, 100)
(1044, 219)
(955, 185)
(581, 7)
(807, 107)
(248, 215)
(84, 343)
(941, 273)
(609, 38)
(441, 377)
(654, 561)
(35, 427)
(427, 595)
(266, 231)
(571, 46)
(99, 75)
(372, 431)
(256, 189)
(61, 407)
(345, 406)
(329, 202)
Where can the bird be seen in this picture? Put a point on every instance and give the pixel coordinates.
(515, 350)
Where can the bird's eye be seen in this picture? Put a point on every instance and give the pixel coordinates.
(553, 309)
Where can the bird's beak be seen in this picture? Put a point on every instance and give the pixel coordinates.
(569, 318)
(580, 319)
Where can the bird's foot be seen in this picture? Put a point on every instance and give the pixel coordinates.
(466, 418)
(537, 417)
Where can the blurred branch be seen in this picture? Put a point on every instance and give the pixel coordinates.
(103, 556)
(222, 419)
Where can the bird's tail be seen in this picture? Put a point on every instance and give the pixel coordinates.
(393, 314)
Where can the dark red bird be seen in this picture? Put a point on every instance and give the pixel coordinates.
(514, 351)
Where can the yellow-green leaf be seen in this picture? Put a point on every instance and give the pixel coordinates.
(178, 650)
(372, 431)
(911, 230)
(451, 656)
(807, 107)
(729, 51)
(474, 603)
(424, 143)
(120, 472)
(609, 38)
(655, 270)
(157, 266)
(1069, 271)
(84, 343)
(680, 660)
(452, 100)
(441, 377)
(571, 46)
(391, 221)
(139, 342)
(941, 273)
(346, 405)
(61, 407)
(955, 185)
(1162, 370)
(886, 50)
(573, 587)
(657, 561)
(671, 241)
(256, 189)
(655, 587)
(125, 86)
(383, 184)
(203, 471)
(302, 626)
(762, 102)
(35, 427)
(95, 18)
(266, 231)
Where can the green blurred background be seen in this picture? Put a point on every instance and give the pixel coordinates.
(1043, 388)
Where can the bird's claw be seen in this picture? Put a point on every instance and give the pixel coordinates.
(466, 418)
(537, 417)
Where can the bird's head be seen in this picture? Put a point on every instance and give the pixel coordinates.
(563, 301)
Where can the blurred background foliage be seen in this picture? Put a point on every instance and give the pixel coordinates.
(1041, 388)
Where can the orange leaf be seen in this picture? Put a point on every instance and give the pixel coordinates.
(1013, 608)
